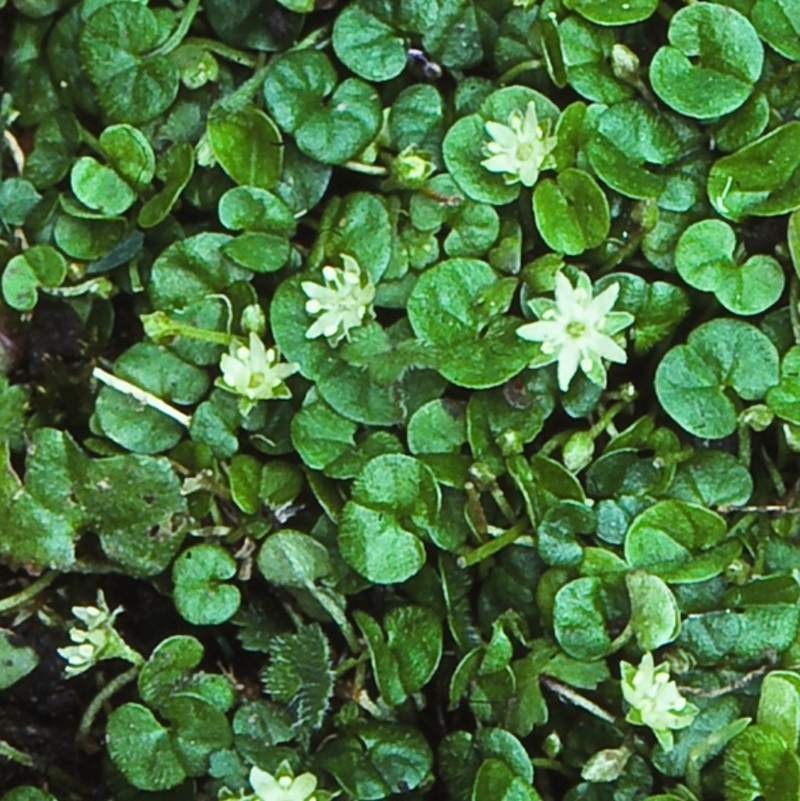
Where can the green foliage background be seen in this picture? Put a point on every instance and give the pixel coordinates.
(416, 578)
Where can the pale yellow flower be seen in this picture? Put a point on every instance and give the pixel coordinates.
(254, 372)
(284, 786)
(655, 700)
(344, 303)
(521, 149)
(576, 330)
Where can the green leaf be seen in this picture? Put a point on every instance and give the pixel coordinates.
(248, 146)
(705, 259)
(16, 661)
(167, 669)
(367, 45)
(130, 154)
(40, 265)
(676, 541)
(603, 13)
(779, 705)
(131, 85)
(711, 63)
(140, 747)
(496, 780)
(692, 380)
(761, 179)
(571, 212)
(580, 617)
(200, 595)
(655, 617)
(175, 168)
(476, 347)
(18, 198)
(330, 123)
(778, 24)
(293, 559)
(378, 759)
(100, 188)
(299, 674)
(190, 269)
(759, 764)
(248, 208)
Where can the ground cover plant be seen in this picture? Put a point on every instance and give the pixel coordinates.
(399, 400)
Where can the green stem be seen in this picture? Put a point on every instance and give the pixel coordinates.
(550, 764)
(97, 702)
(178, 35)
(348, 664)
(223, 50)
(519, 69)
(142, 395)
(493, 546)
(623, 638)
(365, 169)
(794, 307)
(159, 326)
(31, 591)
(329, 603)
(14, 755)
(566, 693)
(745, 449)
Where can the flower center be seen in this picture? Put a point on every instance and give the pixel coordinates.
(576, 329)
(526, 151)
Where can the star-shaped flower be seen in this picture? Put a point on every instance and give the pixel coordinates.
(283, 786)
(521, 149)
(345, 301)
(655, 700)
(254, 372)
(576, 330)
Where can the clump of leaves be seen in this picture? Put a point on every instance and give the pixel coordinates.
(407, 393)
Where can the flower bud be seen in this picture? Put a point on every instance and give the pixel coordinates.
(253, 320)
(412, 168)
(625, 64)
(758, 417)
(578, 451)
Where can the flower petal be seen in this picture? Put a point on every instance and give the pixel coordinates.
(568, 360)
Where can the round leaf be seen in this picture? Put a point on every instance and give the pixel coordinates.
(39, 265)
(167, 668)
(131, 86)
(580, 615)
(367, 45)
(571, 212)
(293, 559)
(140, 747)
(692, 379)
(248, 146)
(761, 179)
(604, 13)
(199, 595)
(704, 259)
(711, 64)
(331, 124)
(655, 616)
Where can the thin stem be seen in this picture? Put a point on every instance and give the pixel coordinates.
(739, 684)
(159, 326)
(365, 169)
(97, 702)
(31, 591)
(178, 35)
(794, 307)
(142, 395)
(745, 448)
(519, 69)
(348, 664)
(15, 755)
(17, 153)
(491, 547)
(551, 764)
(223, 50)
(566, 693)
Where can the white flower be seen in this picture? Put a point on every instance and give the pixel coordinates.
(576, 330)
(520, 149)
(254, 373)
(96, 640)
(343, 303)
(283, 786)
(655, 701)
